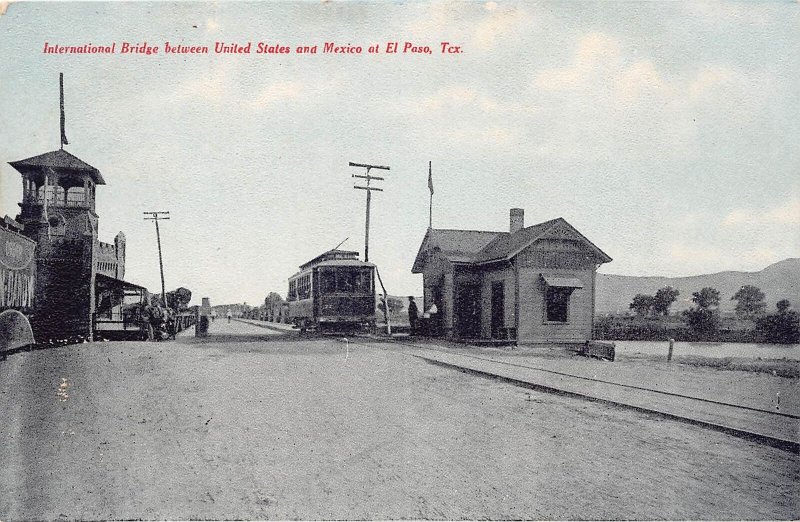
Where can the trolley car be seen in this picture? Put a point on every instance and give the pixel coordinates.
(335, 291)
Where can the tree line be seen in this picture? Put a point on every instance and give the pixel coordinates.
(703, 318)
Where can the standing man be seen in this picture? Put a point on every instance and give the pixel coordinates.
(213, 314)
(156, 319)
(171, 322)
(144, 315)
(229, 315)
(413, 313)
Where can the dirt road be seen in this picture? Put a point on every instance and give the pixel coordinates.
(266, 427)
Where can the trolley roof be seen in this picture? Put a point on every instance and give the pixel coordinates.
(331, 255)
(334, 258)
(344, 262)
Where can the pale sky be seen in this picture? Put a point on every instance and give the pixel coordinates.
(666, 132)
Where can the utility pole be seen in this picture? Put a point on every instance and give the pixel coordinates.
(369, 190)
(158, 216)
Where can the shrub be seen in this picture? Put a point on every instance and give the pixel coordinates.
(782, 327)
(703, 322)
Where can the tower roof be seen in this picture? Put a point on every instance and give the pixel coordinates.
(60, 160)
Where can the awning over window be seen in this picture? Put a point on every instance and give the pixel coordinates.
(562, 282)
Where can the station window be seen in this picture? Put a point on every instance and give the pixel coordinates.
(558, 304)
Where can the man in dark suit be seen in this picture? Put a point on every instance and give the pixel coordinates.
(413, 313)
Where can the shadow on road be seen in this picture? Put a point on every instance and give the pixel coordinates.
(239, 338)
(288, 337)
(39, 346)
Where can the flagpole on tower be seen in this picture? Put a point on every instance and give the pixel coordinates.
(63, 120)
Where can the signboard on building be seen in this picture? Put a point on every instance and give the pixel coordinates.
(17, 270)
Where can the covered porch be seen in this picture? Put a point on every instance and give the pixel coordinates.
(118, 309)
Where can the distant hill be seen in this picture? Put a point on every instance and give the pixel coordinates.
(778, 281)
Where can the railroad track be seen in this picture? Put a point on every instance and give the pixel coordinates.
(773, 428)
(630, 386)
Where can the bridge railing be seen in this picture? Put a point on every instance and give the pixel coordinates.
(108, 323)
(185, 320)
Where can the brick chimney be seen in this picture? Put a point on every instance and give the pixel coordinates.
(516, 220)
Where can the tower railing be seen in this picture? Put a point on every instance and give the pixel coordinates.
(58, 203)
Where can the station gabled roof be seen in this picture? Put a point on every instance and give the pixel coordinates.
(58, 159)
(480, 247)
(458, 246)
(505, 243)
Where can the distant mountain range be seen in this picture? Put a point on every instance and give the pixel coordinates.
(778, 281)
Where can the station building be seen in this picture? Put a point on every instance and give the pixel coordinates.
(529, 285)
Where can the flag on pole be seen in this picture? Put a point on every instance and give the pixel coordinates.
(430, 178)
(63, 122)
(430, 187)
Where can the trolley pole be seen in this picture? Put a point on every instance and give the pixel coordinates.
(369, 190)
(157, 216)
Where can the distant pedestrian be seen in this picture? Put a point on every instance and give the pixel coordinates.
(413, 314)
(229, 315)
(213, 315)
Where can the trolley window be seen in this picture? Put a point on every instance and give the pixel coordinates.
(304, 287)
(327, 281)
(363, 282)
(345, 281)
(300, 288)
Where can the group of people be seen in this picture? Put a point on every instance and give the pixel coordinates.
(429, 318)
(158, 321)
